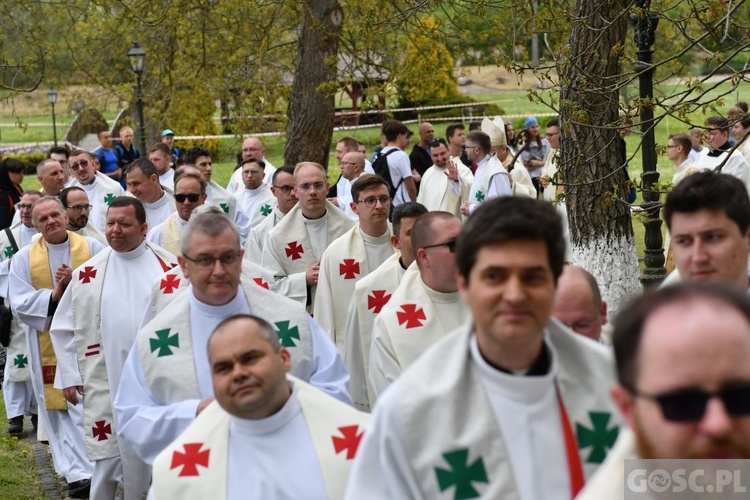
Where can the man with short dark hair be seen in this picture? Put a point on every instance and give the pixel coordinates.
(490, 172)
(77, 208)
(92, 332)
(708, 217)
(143, 183)
(371, 294)
(456, 137)
(354, 254)
(397, 136)
(61, 154)
(161, 158)
(446, 184)
(683, 392)
(256, 201)
(248, 461)
(525, 380)
(741, 131)
(717, 140)
(39, 274)
(100, 189)
(166, 379)
(107, 157)
(424, 308)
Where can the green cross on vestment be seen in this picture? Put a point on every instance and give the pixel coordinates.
(265, 210)
(479, 196)
(225, 207)
(287, 333)
(461, 474)
(109, 198)
(163, 342)
(21, 361)
(8, 252)
(600, 439)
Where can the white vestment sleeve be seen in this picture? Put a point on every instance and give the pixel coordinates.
(293, 285)
(329, 373)
(30, 304)
(64, 342)
(499, 186)
(243, 224)
(384, 366)
(146, 424)
(354, 360)
(381, 469)
(154, 235)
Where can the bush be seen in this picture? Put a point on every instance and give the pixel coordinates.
(31, 160)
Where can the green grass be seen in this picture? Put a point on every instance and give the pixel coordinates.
(18, 475)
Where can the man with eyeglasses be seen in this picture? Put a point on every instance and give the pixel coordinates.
(39, 274)
(18, 392)
(446, 184)
(699, 407)
(424, 308)
(540, 416)
(489, 172)
(215, 194)
(93, 330)
(717, 140)
(77, 208)
(251, 148)
(282, 188)
(100, 189)
(189, 194)
(354, 254)
(166, 381)
(342, 188)
(294, 247)
(256, 201)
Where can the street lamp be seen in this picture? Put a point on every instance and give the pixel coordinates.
(52, 96)
(137, 57)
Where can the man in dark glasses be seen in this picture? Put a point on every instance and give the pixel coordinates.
(684, 379)
(189, 194)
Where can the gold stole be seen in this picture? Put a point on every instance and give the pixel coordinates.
(41, 277)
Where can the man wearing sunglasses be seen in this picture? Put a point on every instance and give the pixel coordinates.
(77, 208)
(100, 189)
(512, 396)
(354, 255)
(189, 194)
(425, 307)
(684, 380)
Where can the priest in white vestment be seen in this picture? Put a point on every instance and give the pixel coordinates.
(77, 208)
(522, 185)
(161, 157)
(490, 173)
(143, 183)
(100, 189)
(251, 148)
(256, 201)
(166, 378)
(267, 435)
(39, 274)
(424, 308)
(18, 392)
(446, 184)
(189, 194)
(354, 254)
(720, 152)
(94, 329)
(371, 294)
(282, 188)
(294, 247)
(541, 419)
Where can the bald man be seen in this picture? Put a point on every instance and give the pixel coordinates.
(579, 304)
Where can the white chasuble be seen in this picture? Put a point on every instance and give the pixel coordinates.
(522, 185)
(256, 204)
(100, 313)
(415, 318)
(165, 344)
(258, 234)
(290, 251)
(101, 192)
(421, 444)
(438, 193)
(205, 463)
(348, 259)
(486, 169)
(158, 211)
(42, 278)
(371, 294)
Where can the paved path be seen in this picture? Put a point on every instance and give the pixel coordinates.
(53, 485)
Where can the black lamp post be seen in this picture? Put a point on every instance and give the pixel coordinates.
(137, 58)
(52, 96)
(644, 24)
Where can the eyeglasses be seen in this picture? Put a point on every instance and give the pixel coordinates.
(285, 189)
(78, 208)
(670, 146)
(82, 163)
(23, 206)
(193, 197)
(372, 201)
(450, 244)
(252, 172)
(689, 405)
(307, 187)
(208, 261)
(469, 146)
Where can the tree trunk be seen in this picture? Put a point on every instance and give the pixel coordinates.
(311, 104)
(596, 183)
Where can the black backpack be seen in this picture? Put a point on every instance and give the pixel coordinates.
(380, 166)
